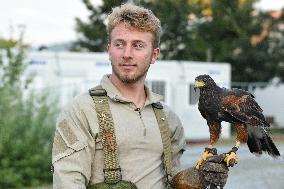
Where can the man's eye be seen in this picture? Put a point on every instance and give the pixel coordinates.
(118, 44)
(138, 45)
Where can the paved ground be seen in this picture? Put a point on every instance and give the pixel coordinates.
(251, 172)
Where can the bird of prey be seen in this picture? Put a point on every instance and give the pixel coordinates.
(239, 108)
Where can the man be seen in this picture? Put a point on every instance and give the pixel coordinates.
(134, 34)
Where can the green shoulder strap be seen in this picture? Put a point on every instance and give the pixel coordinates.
(112, 171)
(166, 138)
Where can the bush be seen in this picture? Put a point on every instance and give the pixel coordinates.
(27, 122)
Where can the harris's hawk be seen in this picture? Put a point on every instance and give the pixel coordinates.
(239, 108)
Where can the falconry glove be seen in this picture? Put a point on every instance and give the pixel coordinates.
(213, 173)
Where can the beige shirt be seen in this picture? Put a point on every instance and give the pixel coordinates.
(77, 154)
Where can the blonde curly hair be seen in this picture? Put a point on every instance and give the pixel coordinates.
(138, 17)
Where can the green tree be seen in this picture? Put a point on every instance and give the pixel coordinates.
(205, 30)
(173, 15)
(233, 31)
(276, 43)
(236, 33)
(93, 32)
(175, 33)
(26, 123)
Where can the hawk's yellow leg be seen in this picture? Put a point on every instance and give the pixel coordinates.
(207, 153)
(231, 159)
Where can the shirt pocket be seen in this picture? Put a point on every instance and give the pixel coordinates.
(66, 142)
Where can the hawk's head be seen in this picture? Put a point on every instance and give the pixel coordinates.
(204, 81)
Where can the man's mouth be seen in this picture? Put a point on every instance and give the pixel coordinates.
(128, 65)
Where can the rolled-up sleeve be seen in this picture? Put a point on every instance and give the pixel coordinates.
(73, 151)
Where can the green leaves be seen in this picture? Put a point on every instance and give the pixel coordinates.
(93, 32)
(204, 30)
(27, 124)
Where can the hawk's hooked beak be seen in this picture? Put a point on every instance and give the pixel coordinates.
(198, 84)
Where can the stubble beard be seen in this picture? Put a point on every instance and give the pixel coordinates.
(130, 79)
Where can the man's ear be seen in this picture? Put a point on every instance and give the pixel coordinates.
(107, 47)
(107, 50)
(155, 55)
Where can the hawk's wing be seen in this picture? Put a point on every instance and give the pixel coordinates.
(241, 105)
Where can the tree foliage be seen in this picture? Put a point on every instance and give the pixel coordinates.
(173, 15)
(26, 123)
(230, 31)
(235, 32)
(93, 32)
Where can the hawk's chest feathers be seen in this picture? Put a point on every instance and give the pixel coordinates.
(209, 104)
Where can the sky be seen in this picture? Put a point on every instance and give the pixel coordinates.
(53, 21)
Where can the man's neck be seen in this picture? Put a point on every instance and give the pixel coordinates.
(135, 92)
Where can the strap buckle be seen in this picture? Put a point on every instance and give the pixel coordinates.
(111, 180)
(112, 169)
(157, 105)
(97, 92)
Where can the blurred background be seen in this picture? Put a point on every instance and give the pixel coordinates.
(51, 51)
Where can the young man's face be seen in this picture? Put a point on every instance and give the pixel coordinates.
(131, 52)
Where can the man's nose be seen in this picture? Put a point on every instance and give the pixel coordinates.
(127, 52)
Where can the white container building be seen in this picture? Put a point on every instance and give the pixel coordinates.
(67, 74)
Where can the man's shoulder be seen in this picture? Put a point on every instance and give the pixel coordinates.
(168, 110)
(82, 98)
(80, 101)
(172, 117)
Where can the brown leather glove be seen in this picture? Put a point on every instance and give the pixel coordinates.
(213, 173)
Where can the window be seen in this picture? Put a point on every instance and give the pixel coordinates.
(158, 87)
(193, 94)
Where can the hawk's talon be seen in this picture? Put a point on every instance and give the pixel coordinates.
(232, 162)
(231, 159)
(204, 156)
(211, 150)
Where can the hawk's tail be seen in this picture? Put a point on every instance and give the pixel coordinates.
(259, 141)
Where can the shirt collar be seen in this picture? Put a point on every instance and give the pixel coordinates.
(114, 94)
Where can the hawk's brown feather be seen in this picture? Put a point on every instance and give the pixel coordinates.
(238, 107)
(243, 108)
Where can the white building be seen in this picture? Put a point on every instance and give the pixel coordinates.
(68, 74)
(271, 101)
